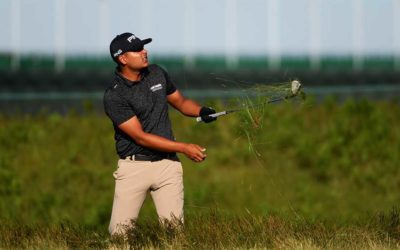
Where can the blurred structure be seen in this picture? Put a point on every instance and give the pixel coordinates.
(59, 46)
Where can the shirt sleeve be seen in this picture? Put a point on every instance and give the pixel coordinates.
(170, 85)
(116, 108)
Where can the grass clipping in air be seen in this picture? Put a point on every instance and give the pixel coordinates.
(257, 101)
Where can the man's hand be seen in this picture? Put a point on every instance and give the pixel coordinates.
(194, 152)
(204, 114)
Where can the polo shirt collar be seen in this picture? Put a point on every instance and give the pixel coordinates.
(128, 82)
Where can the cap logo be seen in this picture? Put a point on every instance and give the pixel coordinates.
(131, 38)
(117, 53)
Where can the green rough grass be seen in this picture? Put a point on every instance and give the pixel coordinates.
(327, 175)
(213, 230)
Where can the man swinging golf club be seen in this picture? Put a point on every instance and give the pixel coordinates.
(137, 104)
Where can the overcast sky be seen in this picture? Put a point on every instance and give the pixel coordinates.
(248, 27)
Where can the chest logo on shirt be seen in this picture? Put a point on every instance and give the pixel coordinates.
(156, 87)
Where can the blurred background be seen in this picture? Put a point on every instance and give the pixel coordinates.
(52, 50)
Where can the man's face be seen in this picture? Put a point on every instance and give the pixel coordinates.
(135, 60)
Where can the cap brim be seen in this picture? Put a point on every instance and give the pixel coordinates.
(142, 43)
(146, 41)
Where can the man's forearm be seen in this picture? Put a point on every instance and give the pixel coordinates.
(190, 108)
(133, 128)
(159, 143)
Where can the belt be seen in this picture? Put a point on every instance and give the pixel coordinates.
(140, 157)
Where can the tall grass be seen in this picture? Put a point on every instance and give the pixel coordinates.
(285, 176)
(213, 231)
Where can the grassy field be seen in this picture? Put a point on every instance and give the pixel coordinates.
(286, 176)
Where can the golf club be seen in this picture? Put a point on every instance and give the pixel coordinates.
(294, 91)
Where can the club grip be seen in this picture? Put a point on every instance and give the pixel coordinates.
(198, 119)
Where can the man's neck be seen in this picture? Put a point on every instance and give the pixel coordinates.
(131, 75)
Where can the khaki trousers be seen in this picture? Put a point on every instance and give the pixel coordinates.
(133, 179)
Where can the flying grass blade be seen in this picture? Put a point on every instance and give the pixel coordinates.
(294, 91)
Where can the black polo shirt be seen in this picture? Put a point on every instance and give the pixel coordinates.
(147, 100)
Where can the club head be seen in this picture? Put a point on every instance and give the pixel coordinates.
(295, 88)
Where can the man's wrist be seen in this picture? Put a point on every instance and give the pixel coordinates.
(181, 147)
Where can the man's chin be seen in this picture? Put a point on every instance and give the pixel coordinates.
(144, 66)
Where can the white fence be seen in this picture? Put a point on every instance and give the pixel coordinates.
(270, 28)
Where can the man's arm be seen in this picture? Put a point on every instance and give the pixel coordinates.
(190, 108)
(133, 128)
(186, 106)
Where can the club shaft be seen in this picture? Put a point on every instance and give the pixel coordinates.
(225, 112)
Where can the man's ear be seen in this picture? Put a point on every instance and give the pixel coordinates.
(122, 59)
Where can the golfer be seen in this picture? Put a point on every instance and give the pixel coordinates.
(137, 104)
